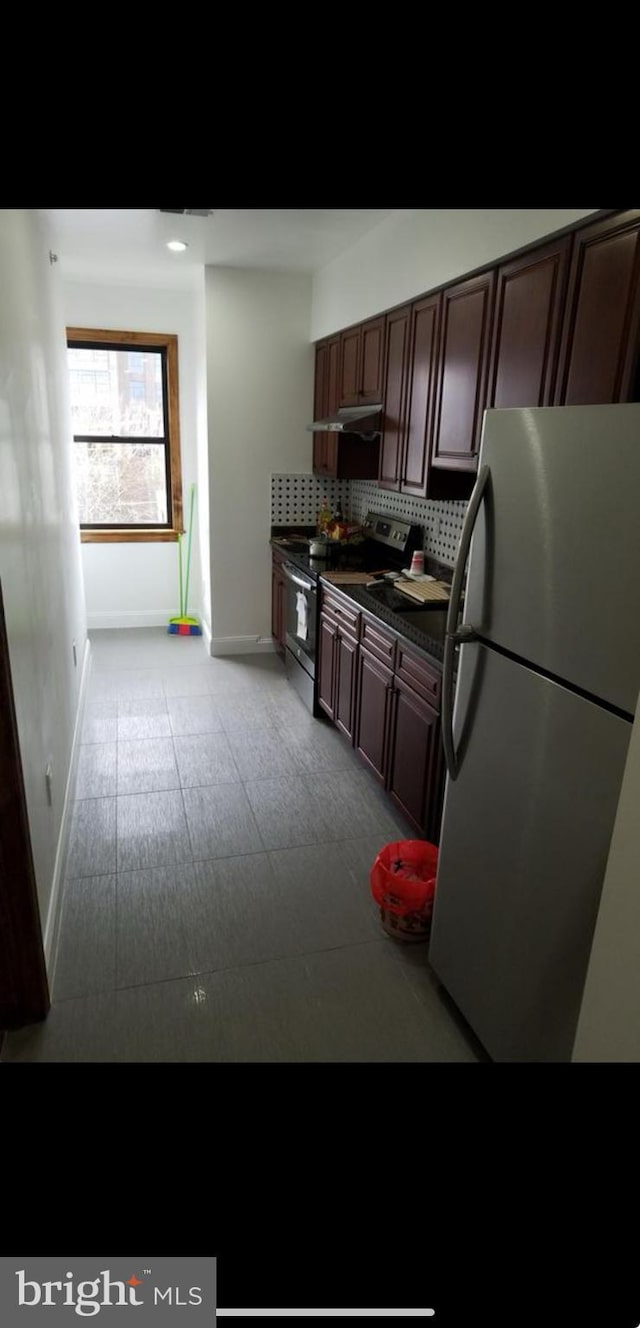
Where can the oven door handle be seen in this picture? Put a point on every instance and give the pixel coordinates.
(293, 576)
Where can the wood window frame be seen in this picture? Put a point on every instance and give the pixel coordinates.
(169, 342)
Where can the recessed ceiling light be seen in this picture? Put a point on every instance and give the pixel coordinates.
(177, 245)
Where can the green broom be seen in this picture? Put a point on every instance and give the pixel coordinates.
(183, 625)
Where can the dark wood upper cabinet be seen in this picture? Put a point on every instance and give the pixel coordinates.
(320, 396)
(556, 325)
(371, 360)
(424, 338)
(394, 397)
(599, 354)
(527, 324)
(467, 310)
(349, 366)
(333, 375)
(362, 363)
(335, 455)
(329, 454)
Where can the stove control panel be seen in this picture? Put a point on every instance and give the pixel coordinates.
(393, 532)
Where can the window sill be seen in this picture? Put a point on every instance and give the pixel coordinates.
(128, 536)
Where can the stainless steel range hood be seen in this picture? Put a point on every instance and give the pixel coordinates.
(350, 419)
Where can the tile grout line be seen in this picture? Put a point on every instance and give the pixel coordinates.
(225, 857)
(231, 968)
(186, 821)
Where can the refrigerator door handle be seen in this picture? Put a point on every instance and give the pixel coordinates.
(454, 634)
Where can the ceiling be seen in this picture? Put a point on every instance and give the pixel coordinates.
(130, 244)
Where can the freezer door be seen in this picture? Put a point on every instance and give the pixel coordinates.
(524, 845)
(554, 570)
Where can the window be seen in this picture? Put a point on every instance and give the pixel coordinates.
(124, 407)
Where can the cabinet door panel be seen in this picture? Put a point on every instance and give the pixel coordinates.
(345, 685)
(416, 733)
(349, 367)
(333, 375)
(331, 455)
(320, 463)
(320, 404)
(462, 378)
(371, 360)
(599, 354)
(374, 691)
(397, 359)
(526, 336)
(326, 667)
(425, 321)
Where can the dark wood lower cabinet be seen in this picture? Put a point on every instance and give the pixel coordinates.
(394, 729)
(337, 657)
(413, 753)
(327, 665)
(375, 685)
(346, 657)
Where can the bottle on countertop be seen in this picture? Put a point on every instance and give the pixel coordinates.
(337, 516)
(324, 517)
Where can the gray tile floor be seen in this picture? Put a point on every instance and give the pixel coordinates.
(217, 903)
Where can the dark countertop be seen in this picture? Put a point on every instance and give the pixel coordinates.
(427, 644)
(381, 602)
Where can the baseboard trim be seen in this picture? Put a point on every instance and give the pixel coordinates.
(130, 618)
(52, 927)
(241, 645)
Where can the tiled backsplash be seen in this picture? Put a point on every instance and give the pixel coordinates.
(440, 520)
(297, 499)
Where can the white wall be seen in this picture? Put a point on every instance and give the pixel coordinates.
(609, 1024)
(260, 398)
(203, 456)
(40, 565)
(414, 251)
(137, 584)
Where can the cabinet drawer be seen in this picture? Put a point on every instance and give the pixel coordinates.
(380, 642)
(419, 675)
(346, 615)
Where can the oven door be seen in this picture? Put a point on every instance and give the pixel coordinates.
(300, 617)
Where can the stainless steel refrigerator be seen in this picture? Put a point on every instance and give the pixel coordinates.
(547, 680)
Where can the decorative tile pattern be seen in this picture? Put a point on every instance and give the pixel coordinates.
(440, 520)
(297, 499)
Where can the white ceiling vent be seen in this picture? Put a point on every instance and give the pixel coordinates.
(188, 212)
